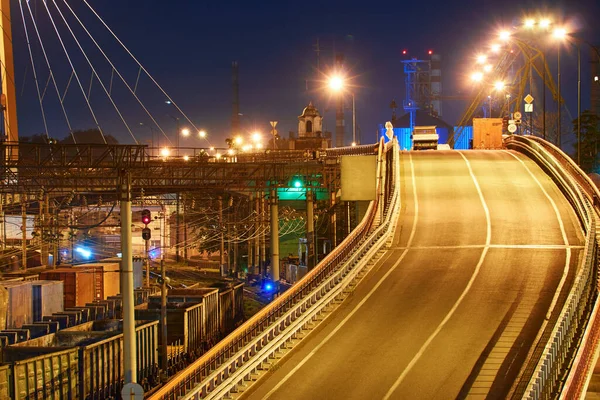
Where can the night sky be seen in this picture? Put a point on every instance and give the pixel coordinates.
(188, 47)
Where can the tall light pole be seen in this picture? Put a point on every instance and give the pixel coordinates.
(559, 33)
(337, 84)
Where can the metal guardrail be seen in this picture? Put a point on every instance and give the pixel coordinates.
(562, 343)
(225, 358)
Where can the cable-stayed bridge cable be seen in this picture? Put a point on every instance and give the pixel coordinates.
(115, 70)
(73, 69)
(94, 73)
(60, 98)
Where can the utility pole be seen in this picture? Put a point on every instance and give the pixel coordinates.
(263, 236)
(274, 238)
(333, 221)
(2, 216)
(24, 233)
(258, 230)
(164, 365)
(310, 230)
(222, 245)
(129, 338)
(185, 249)
(177, 230)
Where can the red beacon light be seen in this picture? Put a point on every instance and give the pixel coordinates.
(430, 52)
(404, 52)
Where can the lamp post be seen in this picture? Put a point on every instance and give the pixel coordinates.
(336, 83)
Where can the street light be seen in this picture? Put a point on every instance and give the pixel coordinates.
(202, 134)
(336, 83)
(559, 34)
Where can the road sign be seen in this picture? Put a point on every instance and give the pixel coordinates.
(528, 99)
(132, 391)
(517, 115)
(528, 108)
(273, 123)
(512, 128)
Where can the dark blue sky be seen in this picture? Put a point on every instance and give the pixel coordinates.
(188, 46)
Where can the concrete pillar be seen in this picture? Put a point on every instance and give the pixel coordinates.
(333, 225)
(222, 246)
(44, 219)
(129, 339)
(23, 233)
(310, 231)
(274, 235)
(263, 238)
(258, 229)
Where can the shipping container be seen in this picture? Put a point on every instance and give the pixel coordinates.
(47, 298)
(96, 311)
(106, 278)
(78, 284)
(74, 317)
(47, 376)
(138, 268)
(19, 305)
(11, 337)
(487, 133)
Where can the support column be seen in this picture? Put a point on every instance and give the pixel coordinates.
(310, 231)
(147, 257)
(274, 235)
(177, 221)
(24, 233)
(43, 228)
(263, 237)
(185, 249)
(2, 216)
(257, 229)
(164, 365)
(348, 221)
(222, 246)
(129, 339)
(236, 249)
(333, 222)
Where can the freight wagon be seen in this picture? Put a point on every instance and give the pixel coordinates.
(82, 362)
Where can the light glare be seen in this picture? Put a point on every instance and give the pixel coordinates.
(481, 59)
(185, 132)
(477, 76)
(336, 83)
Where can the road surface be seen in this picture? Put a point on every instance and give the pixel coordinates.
(485, 241)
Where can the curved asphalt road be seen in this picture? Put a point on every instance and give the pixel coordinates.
(485, 241)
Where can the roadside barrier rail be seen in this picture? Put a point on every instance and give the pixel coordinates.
(560, 370)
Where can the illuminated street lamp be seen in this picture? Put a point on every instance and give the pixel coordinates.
(477, 77)
(165, 152)
(481, 59)
(558, 34)
(238, 140)
(202, 134)
(336, 83)
(185, 132)
(504, 35)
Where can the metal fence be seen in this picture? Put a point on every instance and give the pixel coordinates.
(557, 358)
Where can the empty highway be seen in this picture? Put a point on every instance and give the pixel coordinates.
(484, 246)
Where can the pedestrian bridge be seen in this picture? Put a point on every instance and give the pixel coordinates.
(473, 275)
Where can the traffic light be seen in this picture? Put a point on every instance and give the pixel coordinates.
(146, 216)
(146, 234)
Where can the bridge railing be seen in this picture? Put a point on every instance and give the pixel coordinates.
(259, 323)
(562, 351)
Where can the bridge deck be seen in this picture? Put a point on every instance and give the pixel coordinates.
(483, 243)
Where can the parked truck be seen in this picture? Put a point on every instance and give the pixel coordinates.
(425, 138)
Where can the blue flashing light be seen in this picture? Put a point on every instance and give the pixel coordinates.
(85, 253)
(269, 287)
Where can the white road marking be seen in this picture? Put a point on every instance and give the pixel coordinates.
(421, 351)
(364, 300)
(562, 231)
